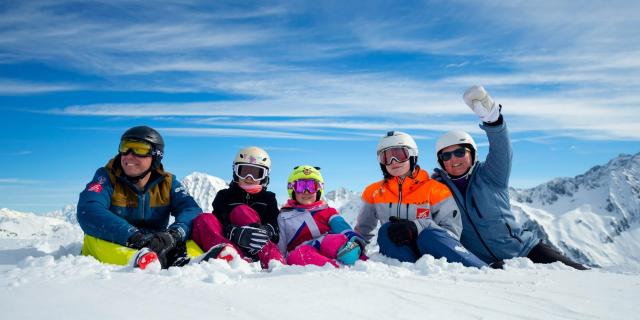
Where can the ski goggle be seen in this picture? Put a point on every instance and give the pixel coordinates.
(458, 153)
(399, 154)
(139, 148)
(302, 185)
(245, 170)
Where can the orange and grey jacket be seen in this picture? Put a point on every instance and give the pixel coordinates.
(425, 201)
(112, 208)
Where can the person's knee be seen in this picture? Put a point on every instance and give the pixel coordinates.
(433, 241)
(390, 249)
(208, 222)
(243, 215)
(383, 234)
(331, 243)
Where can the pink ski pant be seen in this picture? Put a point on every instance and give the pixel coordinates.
(327, 253)
(207, 232)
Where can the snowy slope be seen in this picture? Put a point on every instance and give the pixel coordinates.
(26, 234)
(39, 261)
(74, 287)
(67, 285)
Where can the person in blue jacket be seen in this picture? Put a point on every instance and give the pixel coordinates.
(124, 211)
(490, 230)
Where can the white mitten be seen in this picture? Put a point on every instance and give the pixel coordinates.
(481, 103)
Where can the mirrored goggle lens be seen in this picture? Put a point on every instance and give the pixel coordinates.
(399, 154)
(310, 185)
(139, 148)
(246, 170)
(458, 153)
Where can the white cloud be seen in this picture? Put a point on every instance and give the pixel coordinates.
(12, 87)
(17, 153)
(18, 181)
(574, 76)
(266, 134)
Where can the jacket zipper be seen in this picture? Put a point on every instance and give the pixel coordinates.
(399, 196)
(142, 206)
(466, 212)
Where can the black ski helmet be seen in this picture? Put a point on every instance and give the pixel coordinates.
(147, 134)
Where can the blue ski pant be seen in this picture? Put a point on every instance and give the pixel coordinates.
(436, 242)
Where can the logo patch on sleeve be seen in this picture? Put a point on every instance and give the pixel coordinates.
(95, 187)
(422, 213)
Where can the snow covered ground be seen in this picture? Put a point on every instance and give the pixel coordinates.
(593, 217)
(42, 276)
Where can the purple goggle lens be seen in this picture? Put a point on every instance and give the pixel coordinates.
(300, 186)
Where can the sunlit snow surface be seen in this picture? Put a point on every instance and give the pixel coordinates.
(42, 276)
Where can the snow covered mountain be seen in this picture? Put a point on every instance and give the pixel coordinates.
(347, 202)
(203, 188)
(593, 217)
(67, 213)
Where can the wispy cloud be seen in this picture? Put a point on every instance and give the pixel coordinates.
(553, 74)
(265, 134)
(18, 181)
(12, 87)
(16, 153)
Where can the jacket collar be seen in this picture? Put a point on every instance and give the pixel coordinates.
(318, 205)
(157, 175)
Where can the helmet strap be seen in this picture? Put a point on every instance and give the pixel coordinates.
(154, 165)
(136, 179)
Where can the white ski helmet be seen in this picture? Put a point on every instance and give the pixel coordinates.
(455, 137)
(397, 139)
(253, 155)
(394, 139)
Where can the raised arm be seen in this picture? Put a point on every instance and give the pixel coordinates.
(497, 167)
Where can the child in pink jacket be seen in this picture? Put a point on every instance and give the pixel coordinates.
(311, 232)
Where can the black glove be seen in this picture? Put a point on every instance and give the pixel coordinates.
(139, 240)
(402, 231)
(164, 244)
(272, 232)
(251, 238)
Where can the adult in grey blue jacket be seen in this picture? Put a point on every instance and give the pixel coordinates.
(490, 230)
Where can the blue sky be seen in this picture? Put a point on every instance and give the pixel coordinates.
(314, 82)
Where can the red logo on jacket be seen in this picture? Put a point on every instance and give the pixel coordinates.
(422, 213)
(95, 187)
